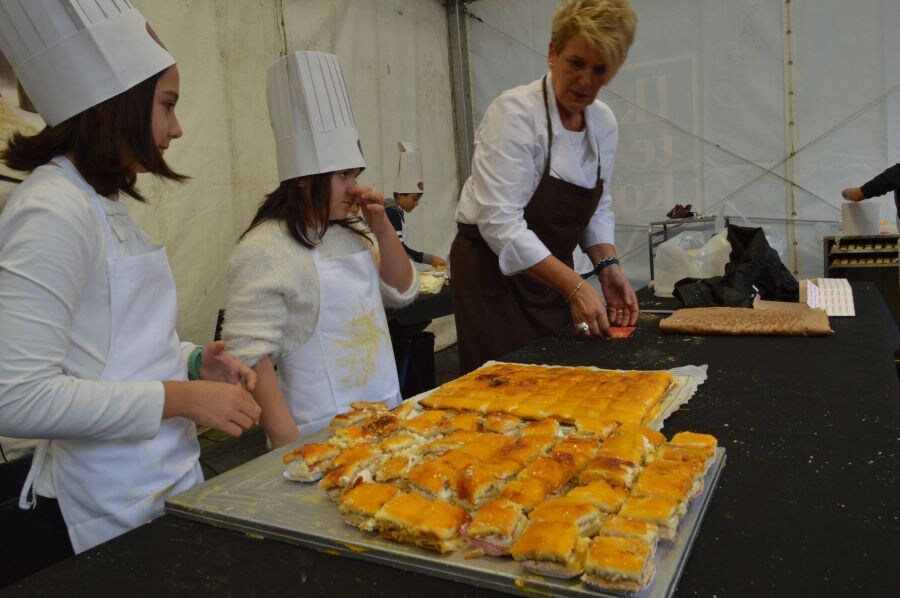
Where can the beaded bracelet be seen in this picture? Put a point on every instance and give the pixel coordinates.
(194, 364)
(607, 261)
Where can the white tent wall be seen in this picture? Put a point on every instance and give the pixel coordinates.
(710, 109)
(394, 54)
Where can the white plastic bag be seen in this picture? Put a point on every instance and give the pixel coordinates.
(687, 256)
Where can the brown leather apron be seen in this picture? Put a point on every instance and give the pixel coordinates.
(495, 313)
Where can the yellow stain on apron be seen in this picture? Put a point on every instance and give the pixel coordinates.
(360, 348)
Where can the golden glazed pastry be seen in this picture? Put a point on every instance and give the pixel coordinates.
(615, 563)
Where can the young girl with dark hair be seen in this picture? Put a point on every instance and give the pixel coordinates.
(89, 356)
(305, 293)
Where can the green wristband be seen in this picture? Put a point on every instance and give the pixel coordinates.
(194, 364)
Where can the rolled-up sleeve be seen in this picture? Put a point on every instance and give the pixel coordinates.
(502, 182)
(393, 298)
(602, 226)
(50, 244)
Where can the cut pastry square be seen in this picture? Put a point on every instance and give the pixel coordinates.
(547, 428)
(675, 486)
(359, 505)
(349, 418)
(369, 406)
(474, 485)
(553, 472)
(595, 426)
(502, 423)
(525, 450)
(394, 469)
(623, 527)
(628, 446)
(529, 492)
(451, 441)
(342, 478)
(570, 510)
(363, 454)
(501, 468)
(581, 450)
(464, 421)
(661, 511)
(439, 527)
(694, 439)
(496, 526)
(400, 442)
(551, 548)
(308, 463)
(654, 437)
(567, 410)
(702, 457)
(414, 519)
(614, 563)
(486, 445)
(433, 478)
(693, 469)
(614, 470)
(404, 410)
(530, 409)
(603, 495)
(428, 424)
(626, 412)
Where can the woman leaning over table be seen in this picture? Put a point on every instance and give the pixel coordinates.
(539, 186)
(89, 357)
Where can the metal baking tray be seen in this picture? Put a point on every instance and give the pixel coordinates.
(255, 498)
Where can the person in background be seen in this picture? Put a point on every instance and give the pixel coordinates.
(887, 181)
(303, 290)
(539, 186)
(89, 357)
(408, 190)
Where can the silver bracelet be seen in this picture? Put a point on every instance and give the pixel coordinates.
(575, 290)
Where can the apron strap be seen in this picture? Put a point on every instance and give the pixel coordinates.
(28, 497)
(549, 127)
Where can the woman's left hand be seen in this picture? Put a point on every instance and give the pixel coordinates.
(216, 364)
(621, 300)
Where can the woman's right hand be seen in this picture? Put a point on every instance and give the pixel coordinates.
(587, 306)
(226, 407)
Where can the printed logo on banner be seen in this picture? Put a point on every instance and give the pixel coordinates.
(657, 165)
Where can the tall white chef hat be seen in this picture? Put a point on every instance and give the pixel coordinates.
(409, 171)
(70, 55)
(311, 117)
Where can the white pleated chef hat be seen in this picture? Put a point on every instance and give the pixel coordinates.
(70, 55)
(409, 171)
(311, 117)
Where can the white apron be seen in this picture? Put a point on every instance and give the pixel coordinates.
(349, 355)
(107, 487)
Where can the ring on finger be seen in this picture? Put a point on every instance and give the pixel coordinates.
(582, 328)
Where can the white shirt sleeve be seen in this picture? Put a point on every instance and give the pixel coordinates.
(393, 298)
(503, 180)
(602, 226)
(272, 296)
(50, 244)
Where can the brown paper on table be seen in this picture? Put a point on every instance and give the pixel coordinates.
(767, 318)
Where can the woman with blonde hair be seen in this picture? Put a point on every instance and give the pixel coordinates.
(539, 186)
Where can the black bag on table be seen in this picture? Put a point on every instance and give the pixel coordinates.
(753, 267)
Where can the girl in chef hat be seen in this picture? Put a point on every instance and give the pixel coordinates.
(304, 291)
(89, 356)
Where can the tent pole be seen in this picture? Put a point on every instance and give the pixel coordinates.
(460, 81)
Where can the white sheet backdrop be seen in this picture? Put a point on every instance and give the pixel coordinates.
(395, 58)
(701, 104)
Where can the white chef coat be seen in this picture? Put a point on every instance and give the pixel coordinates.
(55, 319)
(510, 154)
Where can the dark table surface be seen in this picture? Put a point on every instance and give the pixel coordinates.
(807, 503)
